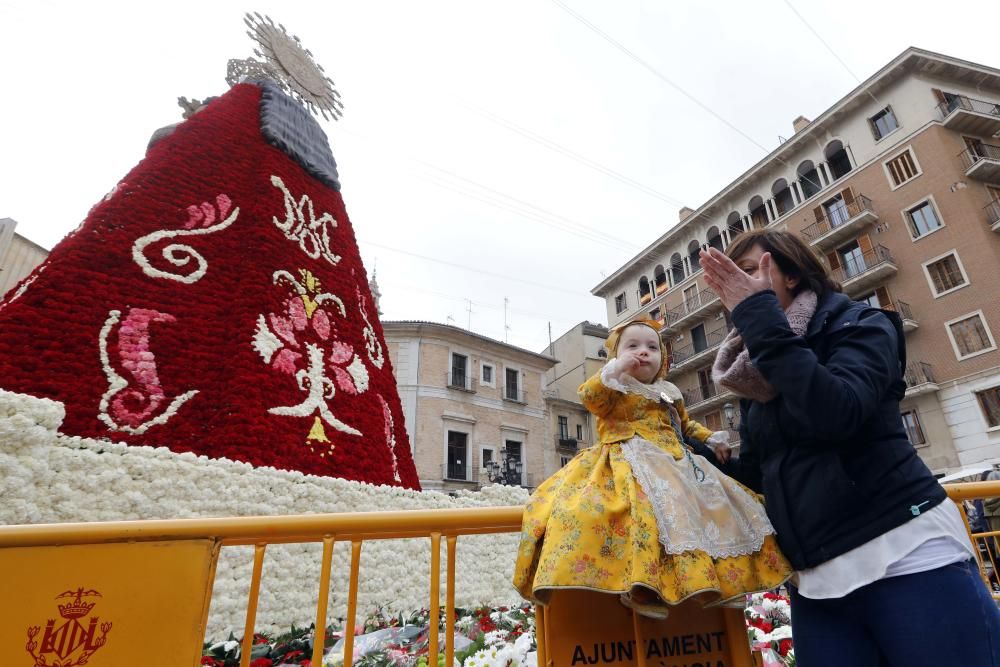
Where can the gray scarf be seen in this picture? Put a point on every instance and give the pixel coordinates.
(734, 371)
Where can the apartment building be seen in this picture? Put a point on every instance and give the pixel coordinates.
(579, 353)
(18, 256)
(469, 400)
(897, 187)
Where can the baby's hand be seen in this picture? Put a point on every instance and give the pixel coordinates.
(629, 361)
(718, 442)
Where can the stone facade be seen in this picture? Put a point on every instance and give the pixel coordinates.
(466, 398)
(18, 256)
(580, 354)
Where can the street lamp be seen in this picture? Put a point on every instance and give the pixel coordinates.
(729, 411)
(505, 471)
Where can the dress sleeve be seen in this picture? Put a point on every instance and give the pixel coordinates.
(691, 428)
(603, 390)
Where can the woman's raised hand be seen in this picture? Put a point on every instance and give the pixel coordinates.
(729, 281)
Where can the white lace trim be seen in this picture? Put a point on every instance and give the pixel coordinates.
(710, 512)
(613, 377)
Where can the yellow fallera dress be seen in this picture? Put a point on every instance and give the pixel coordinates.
(640, 510)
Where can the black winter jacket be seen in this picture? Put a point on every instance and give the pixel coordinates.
(830, 453)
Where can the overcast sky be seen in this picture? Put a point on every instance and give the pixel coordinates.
(475, 134)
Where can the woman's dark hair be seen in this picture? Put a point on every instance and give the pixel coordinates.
(791, 254)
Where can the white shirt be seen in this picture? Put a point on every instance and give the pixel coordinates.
(936, 538)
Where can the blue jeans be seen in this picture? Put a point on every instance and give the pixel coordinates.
(937, 618)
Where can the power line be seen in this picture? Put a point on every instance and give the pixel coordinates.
(828, 47)
(491, 306)
(527, 209)
(621, 47)
(543, 216)
(676, 87)
(471, 268)
(567, 152)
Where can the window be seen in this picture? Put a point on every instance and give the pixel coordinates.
(620, 304)
(487, 374)
(659, 279)
(645, 292)
(514, 453)
(715, 239)
(691, 300)
(676, 268)
(989, 401)
(459, 364)
(487, 458)
(911, 422)
(837, 160)
(705, 384)
(458, 455)
(923, 219)
(579, 431)
(563, 460)
(713, 421)
(694, 256)
(852, 259)
(734, 225)
(563, 427)
(902, 168)
(698, 339)
(883, 123)
(946, 274)
(877, 299)
(836, 210)
(970, 335)
(511, 390)
(976, 148)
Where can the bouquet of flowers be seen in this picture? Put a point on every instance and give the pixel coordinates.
(769, 628)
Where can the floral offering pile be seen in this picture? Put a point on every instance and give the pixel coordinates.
(484, 637)
(769, 627)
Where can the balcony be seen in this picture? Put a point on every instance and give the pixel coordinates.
(982, 162)
(563, 441)
(703, 399)
(693, 310)
(688, 357)
(861, 273)
(841, 223)
(514, 394)
(971, 116)
(992, 211)
(903, 310)
(456, 379)
(919, 377)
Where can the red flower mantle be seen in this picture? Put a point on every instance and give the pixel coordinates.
(215, 302)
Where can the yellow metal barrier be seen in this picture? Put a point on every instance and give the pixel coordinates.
(20, 546)
(156, 543)
(987, 543)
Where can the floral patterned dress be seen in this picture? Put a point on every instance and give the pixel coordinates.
(593, 526)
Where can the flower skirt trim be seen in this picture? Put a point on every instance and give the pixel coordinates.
(542, 594)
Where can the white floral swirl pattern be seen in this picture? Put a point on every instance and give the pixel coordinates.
(201, 221)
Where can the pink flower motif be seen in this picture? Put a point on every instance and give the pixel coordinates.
(286, 361)
(139, 402)
(204, 214)
(340, 354)
(321, 324)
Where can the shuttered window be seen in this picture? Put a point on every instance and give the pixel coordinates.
(946, 274)
(970, 335)
(901, 168)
